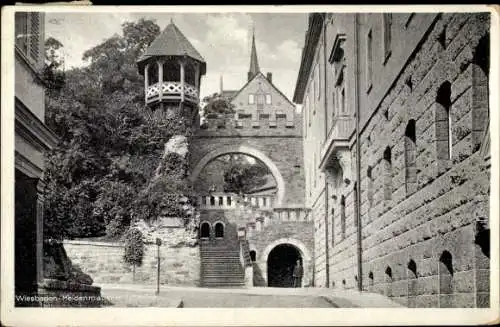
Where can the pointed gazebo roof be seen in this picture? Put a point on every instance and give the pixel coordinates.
(171, 42)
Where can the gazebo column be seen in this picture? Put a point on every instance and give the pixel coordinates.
(146, 82)
(160, 78)
(182, 79)
(197, 80)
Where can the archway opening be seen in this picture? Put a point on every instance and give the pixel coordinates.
(280, 265)
(205, 230)
(236, 173)
(253, 256)
(219, 230)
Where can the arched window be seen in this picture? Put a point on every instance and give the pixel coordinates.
(219, 230)
(443, 122)
(445, 273)
(370, 185)
(371, 281)
(253, 256)
(387, 162)
(388, 281)
(480, 81)
(412, 281)
(204, 230)
(410, 158)
(342, 217)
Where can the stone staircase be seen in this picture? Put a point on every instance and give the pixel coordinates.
(221, 266)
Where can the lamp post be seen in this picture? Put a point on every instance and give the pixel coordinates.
(158, 243)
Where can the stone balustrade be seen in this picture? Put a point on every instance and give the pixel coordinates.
(230, 201)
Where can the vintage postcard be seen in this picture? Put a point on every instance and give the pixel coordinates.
(232, 164)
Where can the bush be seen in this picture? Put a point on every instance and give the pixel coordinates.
(134, 247)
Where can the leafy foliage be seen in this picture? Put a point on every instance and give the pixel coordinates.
(134, 247)
(243, 176)
(217, 104)
(103, 174)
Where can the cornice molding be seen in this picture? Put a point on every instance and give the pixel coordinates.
(32, 128)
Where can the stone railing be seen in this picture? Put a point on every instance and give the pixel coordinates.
(246, 262)
(230, 200)
(171, 91)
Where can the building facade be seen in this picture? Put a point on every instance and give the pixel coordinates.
(396, 113)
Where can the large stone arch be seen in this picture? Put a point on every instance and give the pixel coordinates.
(304, 253)
(243, 149)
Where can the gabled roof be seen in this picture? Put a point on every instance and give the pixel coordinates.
(277, 90)
(171, 42)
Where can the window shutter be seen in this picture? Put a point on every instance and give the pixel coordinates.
(21, 30)
(35, 36)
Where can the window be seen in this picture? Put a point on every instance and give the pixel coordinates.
(21, 30)
(268, 99)
(337, 60)
(342, 217)
(386, 30)
(205, 230)
(410, 158)
(27, 34)
(445, 273)
(443, 122)
(219, 230)
(387, 162)
(369, 61)
(388, 281)
(480, 82)
(251, 99)
(370, 185)
(412, 282)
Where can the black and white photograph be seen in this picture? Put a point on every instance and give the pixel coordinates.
(274, 157)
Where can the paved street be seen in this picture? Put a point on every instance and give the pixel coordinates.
(123, 295)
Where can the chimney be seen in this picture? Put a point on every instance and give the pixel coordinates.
(270, 77)
(221, 85)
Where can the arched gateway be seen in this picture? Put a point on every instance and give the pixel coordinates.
(267, 128)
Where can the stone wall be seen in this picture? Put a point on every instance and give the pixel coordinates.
(104, 263)
(420, 247)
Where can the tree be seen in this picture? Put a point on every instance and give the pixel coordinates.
(134, 249)
(101, 175)
(217, 104)
(243, 175)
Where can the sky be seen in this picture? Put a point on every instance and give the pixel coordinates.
(223, 39)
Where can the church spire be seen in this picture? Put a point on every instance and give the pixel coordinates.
(254, 63)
